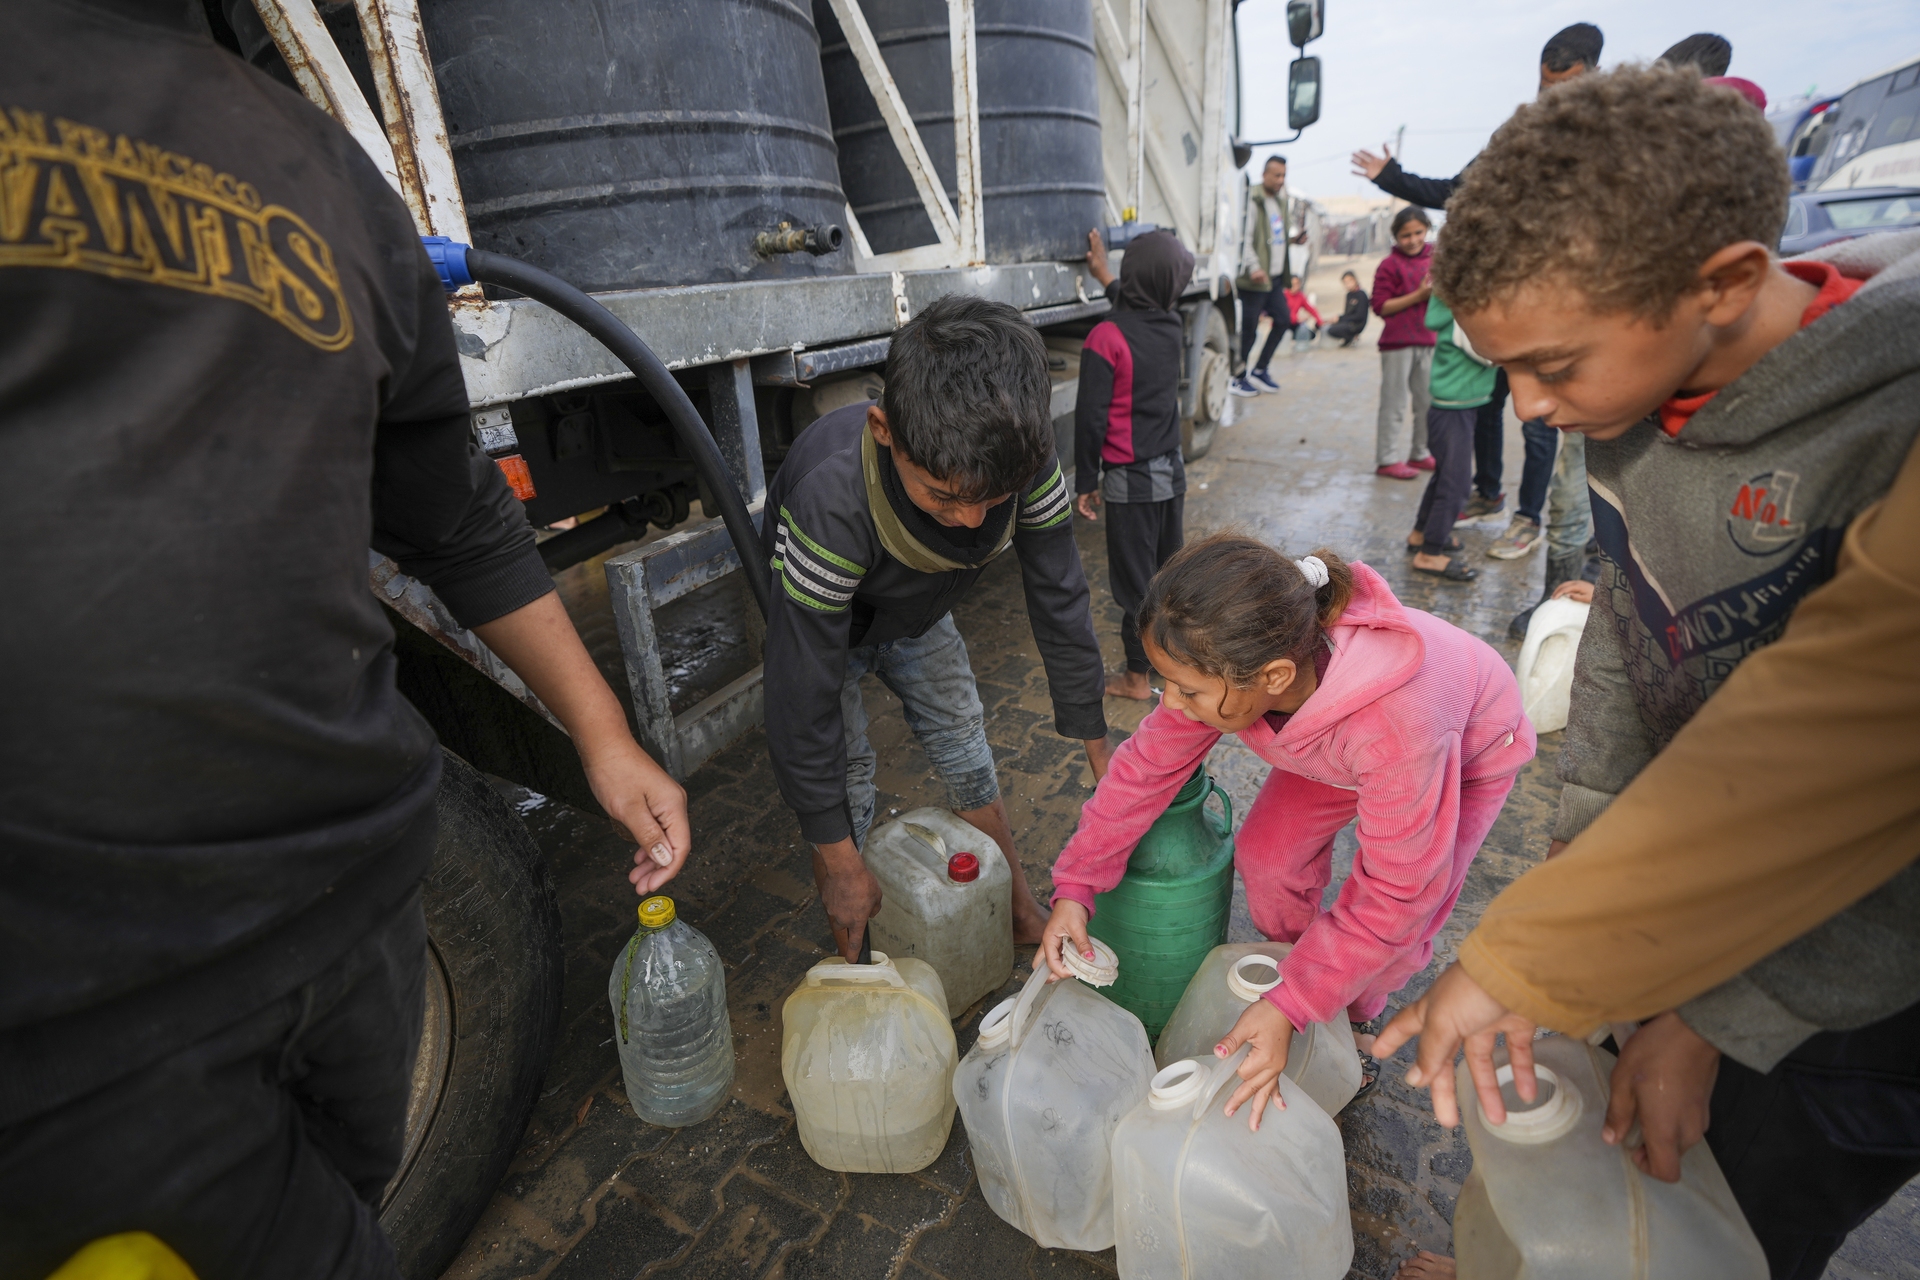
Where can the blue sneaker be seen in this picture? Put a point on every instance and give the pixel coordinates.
(1263, 380)
(1241, 387)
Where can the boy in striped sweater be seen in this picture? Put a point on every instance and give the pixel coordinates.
(881, 518)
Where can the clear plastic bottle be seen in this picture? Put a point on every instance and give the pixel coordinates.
(1548, 1197)
(1198, 1196)
(1041, 1091)
(867, 1052)
(1323, 1058)
(669, 997)
(947, 899)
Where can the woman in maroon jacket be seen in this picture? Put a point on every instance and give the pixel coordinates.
(1400, 292)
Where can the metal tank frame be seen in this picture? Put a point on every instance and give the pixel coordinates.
(775, 332)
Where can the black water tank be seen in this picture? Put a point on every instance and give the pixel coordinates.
(629, 143)
(1039, 123)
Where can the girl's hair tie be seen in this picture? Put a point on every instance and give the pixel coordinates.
(1314, 570)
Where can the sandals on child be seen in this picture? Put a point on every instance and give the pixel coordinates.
(1369, 1065)
(1457, 570)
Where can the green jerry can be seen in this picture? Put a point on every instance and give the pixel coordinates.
(1170, 909)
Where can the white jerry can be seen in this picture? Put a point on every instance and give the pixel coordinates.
(1323, 1059)
(1548, 1197)
(1199, 1196)
(946, 897)
(1040, 1092)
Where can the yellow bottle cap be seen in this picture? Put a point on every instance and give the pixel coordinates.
(656, 912)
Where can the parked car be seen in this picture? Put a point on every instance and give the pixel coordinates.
(1815, 218)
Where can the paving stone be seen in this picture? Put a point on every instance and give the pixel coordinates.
(905, 1204)
(952, 1170)
(681, 1178)
(853, 1247)
(975, 1243)
(754, 1231)
(1065, 1264)
(785, 1165)
(626, 1237)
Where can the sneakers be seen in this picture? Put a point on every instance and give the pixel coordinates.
(1422, 464)
(1480, 507)
(1397, 471)
(1263, 380)
(1241, 387)
(1522, 536)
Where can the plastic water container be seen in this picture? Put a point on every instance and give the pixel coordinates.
(868, 1054)
(1547, 1197)
(1545, 668)
(1040, 1092)
(1197, 1196)
(947, 899)
(1171, 906)
(669, 996)
(1323, 1059)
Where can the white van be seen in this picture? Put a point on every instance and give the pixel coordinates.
(1873, 133)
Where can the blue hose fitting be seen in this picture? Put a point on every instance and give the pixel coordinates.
(449, 260)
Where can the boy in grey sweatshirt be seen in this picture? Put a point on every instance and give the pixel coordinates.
(1739, 412)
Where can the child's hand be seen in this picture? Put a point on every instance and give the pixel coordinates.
(1086, 503)
(1066, 928)
(1579, 590)
(1271, 1035)
(1456, 1012)
(1097, 263)
(1664, 1081)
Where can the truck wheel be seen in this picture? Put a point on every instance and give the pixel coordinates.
(1210, 390)
(492, 1015)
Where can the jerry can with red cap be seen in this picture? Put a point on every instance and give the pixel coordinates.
(947, 899)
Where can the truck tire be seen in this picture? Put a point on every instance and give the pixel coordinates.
(1212, 373)
(492, 1015)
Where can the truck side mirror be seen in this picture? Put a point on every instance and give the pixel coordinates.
(1303, 93)
(1306, 20)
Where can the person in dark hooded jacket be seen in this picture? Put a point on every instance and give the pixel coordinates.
(1127, 427)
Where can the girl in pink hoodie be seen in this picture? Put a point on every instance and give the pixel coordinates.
(1365, 708)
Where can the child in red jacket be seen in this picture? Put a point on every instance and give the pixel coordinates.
(1364, 707)
(1400, 293)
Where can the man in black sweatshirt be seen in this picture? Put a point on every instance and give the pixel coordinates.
(883, 515)
(228, 372)
(1126, 428)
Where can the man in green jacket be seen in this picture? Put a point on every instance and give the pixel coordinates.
(1264, 267)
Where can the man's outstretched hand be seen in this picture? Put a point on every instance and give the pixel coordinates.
(652, 808)
(1457, 1012)
(1368, 165)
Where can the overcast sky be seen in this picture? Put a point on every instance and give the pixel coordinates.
(1452, 72)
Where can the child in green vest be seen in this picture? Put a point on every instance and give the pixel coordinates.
(1461, 383)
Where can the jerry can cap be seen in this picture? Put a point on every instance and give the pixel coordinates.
(657, 912)
(963, 868)
(1552, 1115)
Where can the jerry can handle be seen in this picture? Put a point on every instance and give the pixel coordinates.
(1222, 1074)
(1029, 994)
(881, 970)
(1226, 801)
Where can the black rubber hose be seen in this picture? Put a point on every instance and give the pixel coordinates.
(492, 268)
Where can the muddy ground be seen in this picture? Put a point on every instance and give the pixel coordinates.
(595, 1194)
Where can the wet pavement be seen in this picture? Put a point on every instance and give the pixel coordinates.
(595, 1194)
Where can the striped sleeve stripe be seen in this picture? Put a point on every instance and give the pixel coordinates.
(805, 578)
(1048, 504)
